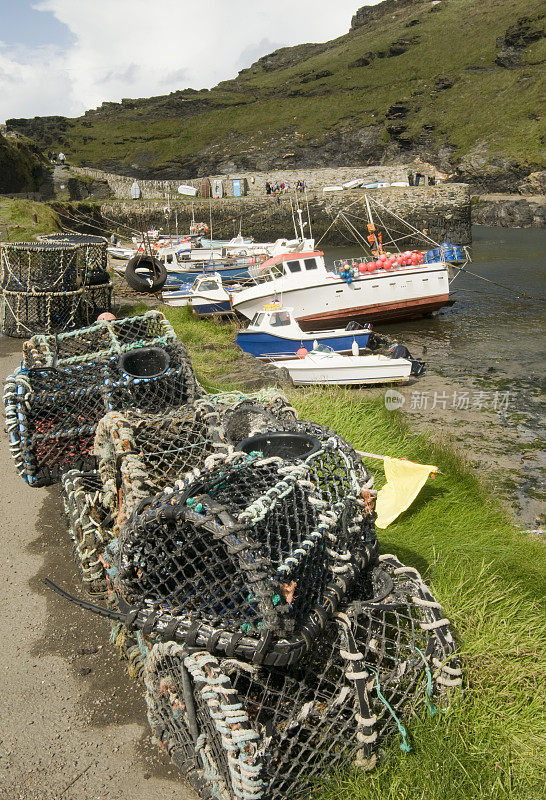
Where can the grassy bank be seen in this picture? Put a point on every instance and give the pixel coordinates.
(487, 573)
(23, 220)
(490, 578)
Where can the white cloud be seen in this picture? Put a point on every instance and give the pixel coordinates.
(138, 48)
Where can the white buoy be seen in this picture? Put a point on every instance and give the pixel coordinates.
(354, 348)
(315, 344)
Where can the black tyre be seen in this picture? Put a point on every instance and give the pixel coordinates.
(145, 274)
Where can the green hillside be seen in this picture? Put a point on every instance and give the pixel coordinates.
(22, 166)
(456, 82)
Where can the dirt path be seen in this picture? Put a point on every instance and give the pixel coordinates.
(73, 723)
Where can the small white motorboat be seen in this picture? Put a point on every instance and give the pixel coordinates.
(123, 253)
(326, 367)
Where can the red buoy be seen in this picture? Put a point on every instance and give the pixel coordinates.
(302, 352)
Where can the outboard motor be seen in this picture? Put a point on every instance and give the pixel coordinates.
(401, 351)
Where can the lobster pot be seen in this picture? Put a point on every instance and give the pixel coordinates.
(249, 417)
(252, 731)
(243, 555)
(140, 455)
(339, 476)
(23, 314)
(52, 412)
(83, 498)
(41, 267)
(94, 250)
(96, 300)
(150, 378)
(100, 341)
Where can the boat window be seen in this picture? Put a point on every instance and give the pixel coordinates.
(257, 319)
(294, 266)
(277, 271)
(310, 263)
(279, 319)
(207, 286)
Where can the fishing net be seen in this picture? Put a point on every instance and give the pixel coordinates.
(89, 525)
(52, 412)
(41, 267)
(247, 557)
(101, 341)
(245, 731)
(96, 300)
(25, 313)
(140, 455)
(94, 250)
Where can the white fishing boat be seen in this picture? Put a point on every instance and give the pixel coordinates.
(322, 298)
(389, 287)
(326, 367)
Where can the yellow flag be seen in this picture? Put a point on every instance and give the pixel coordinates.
(405, 479)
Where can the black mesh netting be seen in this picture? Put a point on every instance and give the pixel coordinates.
(88, 525)
(100, 341)
(25, 313)
(140, 455)
(41, 267)
(256, 732)
(94, 250)
(52, 412)
(96, 300)
(245, 556)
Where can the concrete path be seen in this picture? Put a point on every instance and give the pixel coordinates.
(73, 725)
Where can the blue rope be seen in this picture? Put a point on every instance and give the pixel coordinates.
(403, 733)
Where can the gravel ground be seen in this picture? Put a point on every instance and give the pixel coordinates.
(73, 723)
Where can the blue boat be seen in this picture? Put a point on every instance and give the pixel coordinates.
(228, 273)
(205, 296)
(274, 334)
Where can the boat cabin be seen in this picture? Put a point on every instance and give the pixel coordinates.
(291, 264)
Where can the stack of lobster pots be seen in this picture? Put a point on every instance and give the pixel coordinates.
(56, 284)
(232, 546)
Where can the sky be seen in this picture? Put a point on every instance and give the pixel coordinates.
(66, 56)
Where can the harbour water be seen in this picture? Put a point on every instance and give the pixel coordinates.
(486, 355)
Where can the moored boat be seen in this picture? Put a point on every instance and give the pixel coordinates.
(274, 333)
(321, 298)
(327, 367)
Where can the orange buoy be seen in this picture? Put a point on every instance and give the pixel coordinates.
(302, 352)
(107, 316)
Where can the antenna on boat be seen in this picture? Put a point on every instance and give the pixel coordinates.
(308, 213)
(299, 212)
(293, 218)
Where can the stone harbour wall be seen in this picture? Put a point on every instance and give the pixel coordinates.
(442, 211)
(315, 179)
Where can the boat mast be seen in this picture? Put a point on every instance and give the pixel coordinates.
(371, 228)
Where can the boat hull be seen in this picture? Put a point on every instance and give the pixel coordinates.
(351, 373)
(268, 347)
(382, 312)
(176, 277)
(325, 301)
(207, 309)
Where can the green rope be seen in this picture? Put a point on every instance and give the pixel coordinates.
(403, 733)
(432, 710)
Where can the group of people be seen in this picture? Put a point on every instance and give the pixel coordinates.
(415, 180)
(283, 187)
(54, 159)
